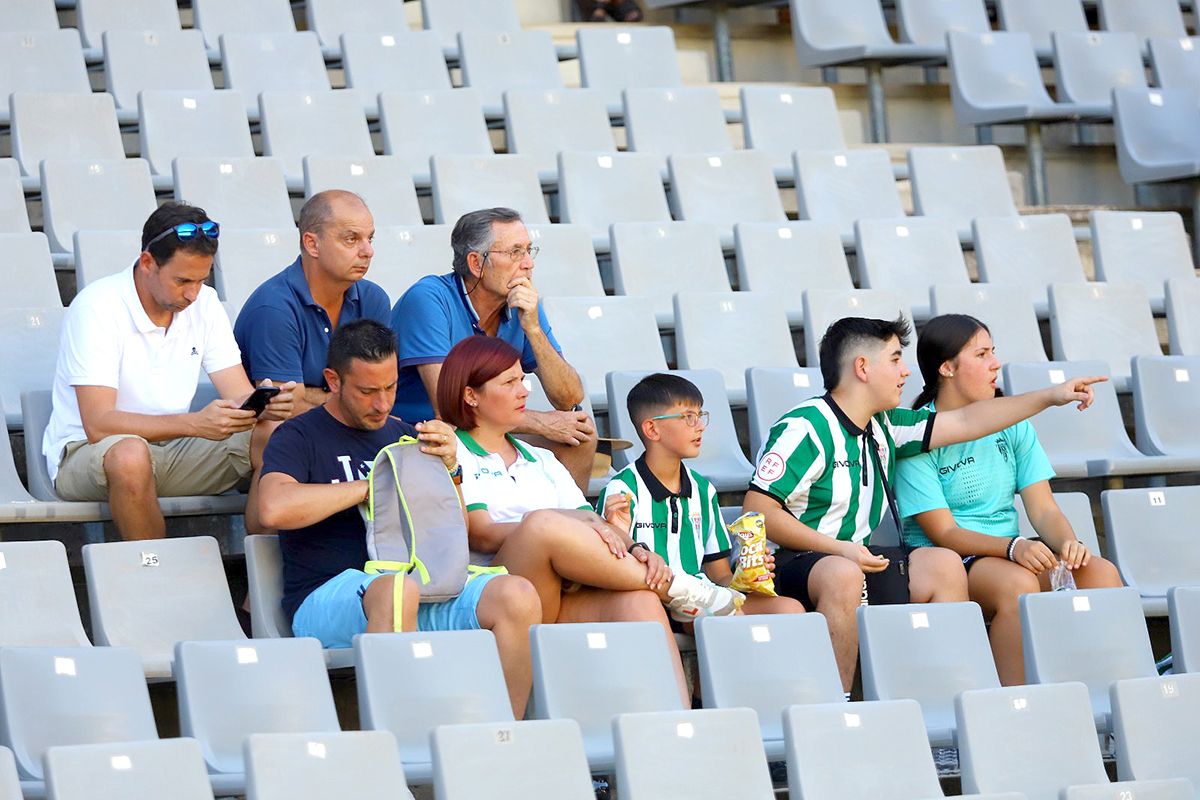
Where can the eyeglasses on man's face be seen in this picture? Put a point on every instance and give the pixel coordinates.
(518, 253)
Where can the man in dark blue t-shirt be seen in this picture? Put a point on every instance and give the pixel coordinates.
(313, 480)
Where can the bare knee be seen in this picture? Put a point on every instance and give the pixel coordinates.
(639, 605)
(542, 525)
(509, 599)
(938, 574)
(127, 465)
(838, 584)
(1099, 573)
(379, 598)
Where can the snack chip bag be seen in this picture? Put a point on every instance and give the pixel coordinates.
(751, 573)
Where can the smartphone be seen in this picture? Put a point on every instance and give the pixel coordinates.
(257, 402)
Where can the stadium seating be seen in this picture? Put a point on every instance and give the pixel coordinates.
(770, 393)
(1172, 789)
(405, 254)
(1032, 252)
(842, 188)
(63, 126)
(246, 258)
(1148, 539)
(10, 786)
(725, 189)
(908, 256)
(217, 17)
(1154, 721)
(37, 598)
(331, 20)
(30, 15)
(1163, 395)
(208, 124)
(258, 62)
(1183, 320)
(493, 62)
(1076, 507)
(99, 195)
(928, 653)
(566, 265)
(1040, 20)
(924, 23)
(136, 61)
(241, 192)
(41, 61)
(1088, 66)
(649, 259)
(417, 125)
(383, 182)
(611, 61)
(1103, 321)
(28, 278)
(511, 761)
(1183, 607)
(665, 122)
(775, 258)
(779, 120)
(1146, 18)
(28, 352)
(98, 16)
(392, 61)
(958, 184)
(823, 307)
(599, 190)
(448, 17)
(466, 183)
(1175, 62)
(300, 124)
(111, 771)
(1153, 134)
(543, 123)
(1140, 247)
(309, 766)
(1004, 308)
(14, 217)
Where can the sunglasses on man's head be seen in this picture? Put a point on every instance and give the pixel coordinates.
(186, 231)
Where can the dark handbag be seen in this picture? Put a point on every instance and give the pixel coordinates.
(889, 587)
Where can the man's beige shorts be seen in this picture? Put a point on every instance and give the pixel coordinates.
(191, 466)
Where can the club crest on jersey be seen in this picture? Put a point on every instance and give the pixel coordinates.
(1002, 446)
(771, 467)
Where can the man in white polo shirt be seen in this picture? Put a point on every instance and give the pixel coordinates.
(132, 348)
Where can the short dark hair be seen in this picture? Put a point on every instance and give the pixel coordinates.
(166, 217)
(362, 339)
(656, 393)
(850, 333)
(473, 234)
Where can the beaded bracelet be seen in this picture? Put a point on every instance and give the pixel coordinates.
(1012, 545)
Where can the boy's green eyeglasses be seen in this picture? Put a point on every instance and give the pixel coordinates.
(690, 418)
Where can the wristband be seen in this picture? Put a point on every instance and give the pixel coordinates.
(1012, 545)
(636, 545)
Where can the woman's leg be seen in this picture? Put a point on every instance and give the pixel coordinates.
(1100, 573)
(765, 604)
(936, 575)
(995, 584)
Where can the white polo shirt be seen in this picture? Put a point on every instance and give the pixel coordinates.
(109, 340)
(535, 480)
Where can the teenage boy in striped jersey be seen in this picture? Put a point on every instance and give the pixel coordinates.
(666, 506)
(820, 488)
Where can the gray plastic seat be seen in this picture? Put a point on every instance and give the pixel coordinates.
(1143, 247)
(209, 124)
(680, 120)
(1076, 507)
(1039, 20)
(296, 125)
(721, 460)
(28, 352)
(412, 683)
(659, 754)
(1154, 134)
(841, 188)
(495, 61)
(1006, 311)
(1004, 734)
(1165, 391)
(134, 770)
(28, 280)
(466, 183)
(566, 265)
(41, 61)
(30, 15)
(1148, 539)
(405, 254)
(18, 505)
(627, 327)
(216, 17)
(928, 653)
(1096, 636)
(777, 257)
(1182, 304)
(14, 216)
(1171, 789)
(591, 672)
(541, 123)
(63, 127)
(311, 766)
(823, 307)
(257, 62)
(136, 61)
(418, 125)
(780, 120)
(1031, 252)
(1088, 66)
(187, 579)
(55, 696)
(37, 597)
(958, 184)
(511, 761)
(614, 59)
(1092, 443)
(767, 663)
(731, 332)
(1183, 607)
(908, 256)
(649, 257)
(770, 393)
(97, 16)
(448, 17)
(10, 786)
(926, 22)
(392, 61)
(383, 182)
(332, 18)
(725, 189)
(229, 690)
(94, 195)
(600, 189)
(1155, 722)
(239, 192)
(1109, 321)
(1175, 62)
(247, 258)
(1146, 18)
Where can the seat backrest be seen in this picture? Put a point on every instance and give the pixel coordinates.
(926, 22)
(770, 393)
(1040, 19)
(193, 124)
(14, 216)
(1183, 608)
(417, 125)
(566, 265)
(229, 690)
(993, 70)
(658, 754)
(1031, 252)
(316, 123)
(1002, 731)
(1165, 390)
(1175, 62)
(308, 766)
(909, 256)
(37, 597)
(1152, 132)
(464, 183)
(511, 761)
(136, 61)
(599, 189)
(724, 189)
(1076, 507)
(331, 18)
(541, 123)
(495, 61)
(676, 120)
(248, 257)
(42, 61)
(1005, 309)
(393, 61)
(28, 278)
(406, 253)
(1141, 247)
(776, 257)
(53, 696)
(843, 187)
(1146, 18)
(264, 573)
(783, 119)
(448, 17)
(928, 653)
(258, 62)
(186, 578)
(30, 15)
(412, 683)
(1147, 534)
(101, 253)
(28, 353)
(91, 195)
(63, 126)
(97, 16)
(1167, 789)
(1088, 66)
(383, 182)
(1155, 720)
(217, 17)
(1110, 321)
(766, 663)
(160, 768)
(10, 785)
(823, 307)
(1182, 305)
(959, 184)
(251, 191)
(614, 59)
(826, 742)
(649, 257)
(822, 26)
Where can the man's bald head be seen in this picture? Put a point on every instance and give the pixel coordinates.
(322, 207)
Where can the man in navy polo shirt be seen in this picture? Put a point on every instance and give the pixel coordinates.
(491, 293)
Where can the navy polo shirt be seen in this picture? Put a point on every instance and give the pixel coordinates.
(433, 316)
(284, 334)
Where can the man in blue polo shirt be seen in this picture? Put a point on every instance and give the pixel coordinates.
(491, 293)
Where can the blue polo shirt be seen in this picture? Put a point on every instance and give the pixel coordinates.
(433, 316)
(284, 334)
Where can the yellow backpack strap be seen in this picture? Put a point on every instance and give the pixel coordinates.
(475, 570)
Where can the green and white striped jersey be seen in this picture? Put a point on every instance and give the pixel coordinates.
(814, 464)
(685, 528)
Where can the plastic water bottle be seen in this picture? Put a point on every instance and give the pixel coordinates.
(1061, 578)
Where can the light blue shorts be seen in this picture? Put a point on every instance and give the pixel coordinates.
(333, 612)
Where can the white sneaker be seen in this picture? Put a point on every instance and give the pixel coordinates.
(692, 598)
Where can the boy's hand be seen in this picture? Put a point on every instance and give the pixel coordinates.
(658, 574)
(769, 563)
(616, 511)
(866, 560)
